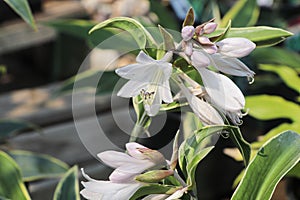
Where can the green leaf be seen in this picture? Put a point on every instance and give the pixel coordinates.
(288, 75)
(11, 185)
(9, 127)
(294, 172)
(167, 38)
(271, 163)
(137, 30)
(103, 81)
(276, 55)
(21, 7)
(262, 36)
(153, 189)
(68, 187)
(192, 165)
(189, 18)
(267, 107)
(243, 13)
(36, 166)
(243, 146)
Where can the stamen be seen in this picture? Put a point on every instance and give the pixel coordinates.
(147, 96)
(250, 79)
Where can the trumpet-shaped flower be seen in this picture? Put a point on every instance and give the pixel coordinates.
(126, 166)
(122, 184)
(107, 190)
(203, 110)
(223, 93)
(150, 79)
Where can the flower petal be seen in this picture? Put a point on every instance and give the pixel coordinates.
(116, 159)
(206, 113)
(232, 66)
(153, 109)
(144, 58)
(199, 60)
(235, 47)
(133, 150)
(165, 92)
(132, 88)
(156, 197)
(222, 91)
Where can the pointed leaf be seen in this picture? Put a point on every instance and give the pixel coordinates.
(271, 163)
(189, 18)
(262, 36)
(36, 166)
(68, 187)
(11, 185)
(267, 107)
(136, 29)
(288, 75)
(276, 55)
(153, 189)
(243, 146)
(21, 7)
(167, 38)
(243, 13)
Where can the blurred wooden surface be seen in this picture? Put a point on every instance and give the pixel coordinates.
(16, 34)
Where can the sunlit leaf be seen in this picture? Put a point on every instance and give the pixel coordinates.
(294, 172)
(21, 7)
(270, 164)
(68, 187)
(36, 166)
(262, 36)
(267, 107)
(243, 13)
(11, 185)
(137, 30)
(276, 55)
(287, 74)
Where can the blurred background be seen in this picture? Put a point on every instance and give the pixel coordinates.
(36, 67)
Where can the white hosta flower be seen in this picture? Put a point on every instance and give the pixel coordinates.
(206, 113)
(198, 59)
(223, 93)
(176, 195)
(232, 66)
(235, 47)
(107, 190)
(150, 79)
(126, 166)
(187, 32)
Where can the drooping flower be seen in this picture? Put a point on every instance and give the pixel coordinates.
(223, 93)
(126, 166)
(150, 79)
(107, 190)
(203, 110)
(122, 183)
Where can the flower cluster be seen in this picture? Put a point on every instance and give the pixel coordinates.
(128, 175)
(217, 98)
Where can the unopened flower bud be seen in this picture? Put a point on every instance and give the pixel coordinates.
(188, 48)
(187, 32)
(209, 27)
(204, 40)
(199, 59)
(154, 176)
(235, 47)
(210, 49)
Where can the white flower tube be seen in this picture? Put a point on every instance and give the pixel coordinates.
(235, 47)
